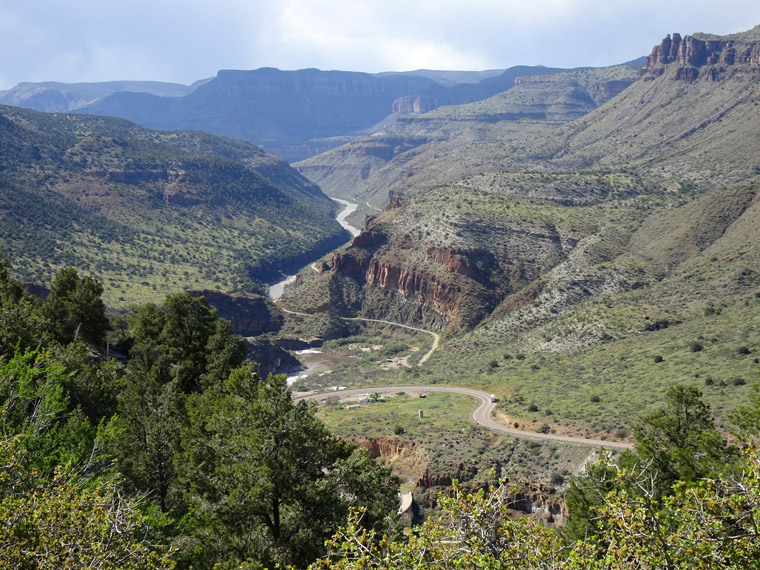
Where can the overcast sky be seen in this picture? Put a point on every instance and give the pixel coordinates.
(185, 40)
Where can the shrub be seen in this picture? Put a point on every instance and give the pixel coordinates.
(658, 358)
(398, 430)
(558, 478)
(738, 381)
(742, 350)
(533, 408)
(596, 399)
(695, 346)
(544, 428)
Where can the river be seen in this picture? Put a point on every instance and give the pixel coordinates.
(276, 290)
(315, 361)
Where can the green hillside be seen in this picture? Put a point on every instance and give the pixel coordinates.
(151, 212)
(616, 253)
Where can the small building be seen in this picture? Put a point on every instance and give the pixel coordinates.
(353, 407)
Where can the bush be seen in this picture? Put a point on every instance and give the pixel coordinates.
(742, 350)
(558, 477)
(695, 346)
(533, 408)
(738, 381)
(493, 364)
(398, 430)
(544, 429)
(596, 399)
(658, 358)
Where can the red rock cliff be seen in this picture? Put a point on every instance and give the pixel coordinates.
(691, 52)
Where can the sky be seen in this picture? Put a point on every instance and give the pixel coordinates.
(183, 41)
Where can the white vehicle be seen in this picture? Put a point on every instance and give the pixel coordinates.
(494, 399)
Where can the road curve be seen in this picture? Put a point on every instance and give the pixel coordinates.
(481, 415)
(436, 336)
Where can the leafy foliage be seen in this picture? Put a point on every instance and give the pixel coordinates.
(711, 525)
(267, 483)
(68, 522)
(75, 305)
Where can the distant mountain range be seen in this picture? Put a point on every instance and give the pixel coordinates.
(294, 114)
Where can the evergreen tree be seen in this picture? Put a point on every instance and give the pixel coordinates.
(266, 481)
(76, 308)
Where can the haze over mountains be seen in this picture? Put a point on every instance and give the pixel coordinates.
(293, 114)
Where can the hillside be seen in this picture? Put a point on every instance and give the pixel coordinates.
(439, 147)
(299, 113)
(151, 212)
(591, 247)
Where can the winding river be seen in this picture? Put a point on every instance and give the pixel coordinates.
(276, 290)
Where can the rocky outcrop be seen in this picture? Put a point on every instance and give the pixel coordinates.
(36, 289)
(270, 358)
(250, 315)
(409, 459)
(606, 90)
(538, 501)
(413, 105)
(423, 287)
(691, 53)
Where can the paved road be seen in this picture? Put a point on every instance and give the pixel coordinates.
(481, 415)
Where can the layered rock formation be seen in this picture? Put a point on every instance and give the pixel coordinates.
(692, 52)
(250, 315)
(413, 105)
(450, 288)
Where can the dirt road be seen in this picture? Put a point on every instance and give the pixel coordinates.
(481, 415)
(436, 336)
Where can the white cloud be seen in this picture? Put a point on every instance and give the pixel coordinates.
(185, 40)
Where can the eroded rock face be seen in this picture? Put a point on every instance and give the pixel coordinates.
(250, 315)
(452, 283)
(691, 53)
(409, 459)
(413, 105)
(36, 289)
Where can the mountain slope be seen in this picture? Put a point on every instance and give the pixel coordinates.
(295, 112)
(448, 143)
(579, 267)
(151, 212)
(55, 97)
(567, 209)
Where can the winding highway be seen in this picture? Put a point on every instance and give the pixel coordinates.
(481, 415)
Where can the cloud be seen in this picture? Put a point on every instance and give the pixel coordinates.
(185, 40)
